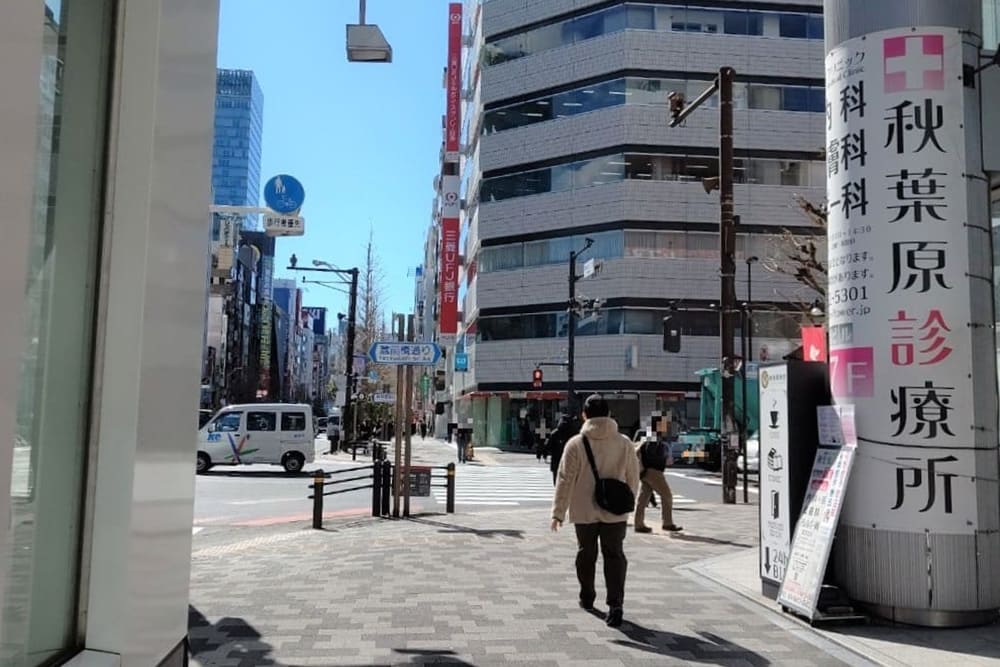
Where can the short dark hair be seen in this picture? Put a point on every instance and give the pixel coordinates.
(595, 406)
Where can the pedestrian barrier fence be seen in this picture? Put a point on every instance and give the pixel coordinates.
(380, 480)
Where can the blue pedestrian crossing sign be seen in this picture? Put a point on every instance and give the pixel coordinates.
(404, 354)
(461, 362)
(284, 194)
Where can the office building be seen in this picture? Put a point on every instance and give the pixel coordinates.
(106, 128)
(239, 127)
(567, 138)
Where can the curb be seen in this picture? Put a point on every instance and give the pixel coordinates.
(698, 572)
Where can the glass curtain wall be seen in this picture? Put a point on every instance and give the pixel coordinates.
(667, 18)
(40, 606)
(647, 91)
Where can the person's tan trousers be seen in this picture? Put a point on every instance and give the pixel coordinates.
(654, 480)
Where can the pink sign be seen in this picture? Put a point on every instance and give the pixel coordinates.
(852, 372)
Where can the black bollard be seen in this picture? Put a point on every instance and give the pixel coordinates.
(450, 502)
(317, 487)
(386, 486)
(376, 488)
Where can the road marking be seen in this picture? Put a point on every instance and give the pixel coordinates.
(196, 529)
(264, 501)
(706, 480)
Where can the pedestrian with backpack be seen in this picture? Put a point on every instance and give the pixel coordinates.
(653, 458)
(596, 482)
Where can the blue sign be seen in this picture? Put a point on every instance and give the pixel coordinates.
(284, 194)
(406, 354)
(461, 361)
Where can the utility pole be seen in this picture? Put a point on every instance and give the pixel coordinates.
(348, 411)
(408, 418)
(727, 271)
(397, 477)
(571, 343)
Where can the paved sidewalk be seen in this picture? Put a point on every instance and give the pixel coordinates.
(491, 588)
(890, 645)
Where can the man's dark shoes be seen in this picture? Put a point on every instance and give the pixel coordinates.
(614, 618)
(643, 529)
(673, 528)
(587, 604)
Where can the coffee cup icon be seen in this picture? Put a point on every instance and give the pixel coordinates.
(774, 419)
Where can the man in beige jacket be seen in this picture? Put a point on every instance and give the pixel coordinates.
(614, 458)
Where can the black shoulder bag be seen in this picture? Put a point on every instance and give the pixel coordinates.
(612, 495)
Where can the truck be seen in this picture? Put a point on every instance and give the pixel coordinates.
(704, 443)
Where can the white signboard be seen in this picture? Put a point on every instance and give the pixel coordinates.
(450, 203)
(284, 225)
(817, 523)
(775, 527)
(407, 354)
(384, 398)
(899, 304)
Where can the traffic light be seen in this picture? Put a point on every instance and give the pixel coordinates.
(536, 378)
(676, 104)
(671, 336)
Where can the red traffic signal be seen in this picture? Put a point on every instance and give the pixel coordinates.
(536, 378)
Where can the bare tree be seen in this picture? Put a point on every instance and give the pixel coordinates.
(801, 257)
(371, 328)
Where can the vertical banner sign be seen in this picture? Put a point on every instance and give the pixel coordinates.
(453, 112)
(899, 299)
(813, 344)
(449, 255)
(775, 522)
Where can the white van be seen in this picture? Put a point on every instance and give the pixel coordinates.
(279, 433)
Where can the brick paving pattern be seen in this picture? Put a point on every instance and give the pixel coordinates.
(491, 588)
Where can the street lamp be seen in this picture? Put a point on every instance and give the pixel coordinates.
(365, 42)
(571, 343)
(747, 339)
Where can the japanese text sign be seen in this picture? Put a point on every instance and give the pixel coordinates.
(899, 298)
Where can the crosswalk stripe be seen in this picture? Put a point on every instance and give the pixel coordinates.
(508, 486)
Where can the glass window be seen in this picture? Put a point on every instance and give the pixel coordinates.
(795, 98)
(792, 25)
(735, 23)
(640, 17)
(38, 622)
(765, 97)
(227, 422)
(261, 421)
(293, 421)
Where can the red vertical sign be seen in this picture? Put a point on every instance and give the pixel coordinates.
(453, 114)
(813, 344)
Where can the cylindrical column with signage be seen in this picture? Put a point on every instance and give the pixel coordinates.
(911, 307)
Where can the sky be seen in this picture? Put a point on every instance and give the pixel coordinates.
(363, 138)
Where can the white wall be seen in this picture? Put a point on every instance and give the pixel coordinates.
(150, 334)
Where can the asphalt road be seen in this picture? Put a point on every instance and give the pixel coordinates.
(257, 495)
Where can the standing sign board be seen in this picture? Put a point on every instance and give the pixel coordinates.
(404, 354)
(775, 524)
(899, 279)
(420, 481)
(817, 524)
(789, 394)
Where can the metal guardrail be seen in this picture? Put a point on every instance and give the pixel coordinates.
(381, 484)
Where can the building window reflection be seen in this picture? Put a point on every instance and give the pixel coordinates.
(640, 166)
(641, 16)
(650, 91)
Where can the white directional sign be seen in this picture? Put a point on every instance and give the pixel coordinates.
(284, 225)
(405, 354)
(384, 398)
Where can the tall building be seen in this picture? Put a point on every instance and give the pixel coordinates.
(100, 340)
(239, 128)
(567, 138)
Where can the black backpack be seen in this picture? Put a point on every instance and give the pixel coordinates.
(653, 455)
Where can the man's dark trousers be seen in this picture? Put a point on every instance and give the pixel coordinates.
(612, 538)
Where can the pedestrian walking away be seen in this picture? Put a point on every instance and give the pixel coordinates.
(423, 430)
(461, 442)
(567, 427)
(599, 451)
(653, 457)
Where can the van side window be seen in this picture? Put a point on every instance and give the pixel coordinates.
(228, 422)
(261, 421)
(293, 421)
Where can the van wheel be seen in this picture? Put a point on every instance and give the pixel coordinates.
(294, 462)
(204, 463)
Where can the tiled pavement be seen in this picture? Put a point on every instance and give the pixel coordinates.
(491, 588)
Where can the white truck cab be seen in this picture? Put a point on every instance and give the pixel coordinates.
(276, 433)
